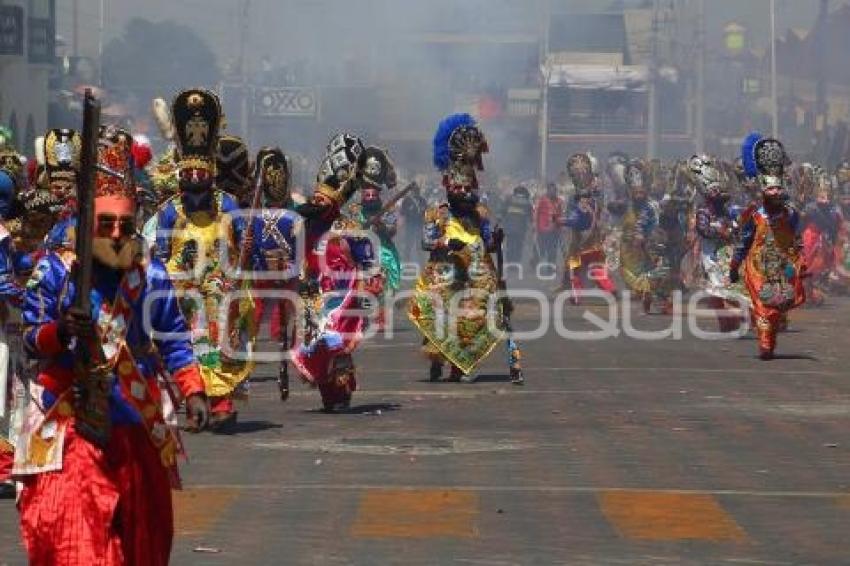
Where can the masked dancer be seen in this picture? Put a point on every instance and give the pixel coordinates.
(770, 249)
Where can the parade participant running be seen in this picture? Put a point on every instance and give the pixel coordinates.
(338, 277)
(717, 229)
(770, 247)
(823, 229)
(585, 260)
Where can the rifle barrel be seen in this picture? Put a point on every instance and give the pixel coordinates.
(85, 202)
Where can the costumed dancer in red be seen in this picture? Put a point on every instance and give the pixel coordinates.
(770, 249)
(338, 278)
(823, 231)
(97, 484)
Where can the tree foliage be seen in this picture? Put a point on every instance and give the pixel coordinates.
(158, 58)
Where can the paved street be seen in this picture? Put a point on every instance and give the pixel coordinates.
(615, 452)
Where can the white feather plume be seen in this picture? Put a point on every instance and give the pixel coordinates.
(39, 151)
(162, 115)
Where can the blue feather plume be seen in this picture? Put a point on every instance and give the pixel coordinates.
(442, 158)
(748, 154)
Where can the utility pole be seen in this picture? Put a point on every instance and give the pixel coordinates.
(821, 104)
(243, 70)
(774, 89)
(544, 107)
(700, 94)
(652, 133)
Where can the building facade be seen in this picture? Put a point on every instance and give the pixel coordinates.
(27, 36)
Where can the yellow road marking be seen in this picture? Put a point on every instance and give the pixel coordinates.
(422, 513)
(652, 515)
(195, 510)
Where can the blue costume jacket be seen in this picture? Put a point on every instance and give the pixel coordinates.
(51, 292)
(274, 235)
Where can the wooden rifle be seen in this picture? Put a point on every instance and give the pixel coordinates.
(375, 219)
(92, 379)
(244, 252)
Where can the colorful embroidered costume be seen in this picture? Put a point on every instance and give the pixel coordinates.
(716, 226)
(823, 233)
(585, 260)
(640, 262)
(11, 295)
(770, 247)
(74, 492)
(199, 234)
(102, 495)
(338, 278)
(454, 306)
(275, 232)
(378, 175)
(200, 242)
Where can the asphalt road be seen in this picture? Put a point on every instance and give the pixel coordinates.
(620, 451)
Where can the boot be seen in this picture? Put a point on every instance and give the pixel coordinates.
(7, 490)
(283, 381)
(647, 303)
(516, 376)
(436, 372)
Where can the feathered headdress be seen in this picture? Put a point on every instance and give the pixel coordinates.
(458, 147)
(442, 139)
(39, 151)
(141, 150)
(748, 154)
(764, 159)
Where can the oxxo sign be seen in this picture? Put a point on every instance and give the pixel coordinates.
(285, 101)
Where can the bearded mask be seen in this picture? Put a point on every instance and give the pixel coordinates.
(371, 199)
(462, 198)
(115, 245)
(774, 197)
